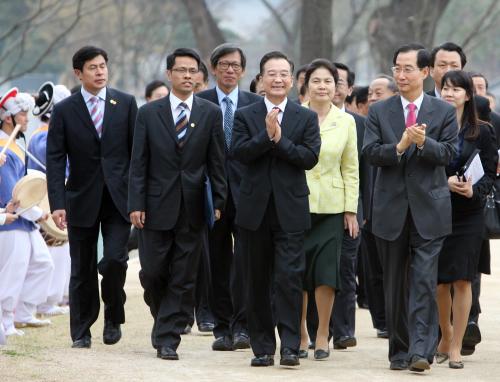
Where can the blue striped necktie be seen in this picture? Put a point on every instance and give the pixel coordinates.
(181, 123)
(228, 121)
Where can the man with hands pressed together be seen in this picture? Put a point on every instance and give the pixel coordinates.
(277, 140)
(178, 140)
(411, 137)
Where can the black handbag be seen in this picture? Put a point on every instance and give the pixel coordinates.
(492, 214)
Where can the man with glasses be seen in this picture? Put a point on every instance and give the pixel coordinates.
(277, 140)
(177, 140)
(411, 137)
(226, 260)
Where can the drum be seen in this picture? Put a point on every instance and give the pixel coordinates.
(53, 236)
(30, 189)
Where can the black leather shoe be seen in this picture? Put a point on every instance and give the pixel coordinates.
(111, 333)
(303, 354)
(187, 329)
(312, 345)
(344, 343)
(321, 354)
(399, 364)
(223, 344)
(472, 337)
(241, 341)
(418, 364)
(167, 353)
(206, 327)
(262, 361)
(82, 343)
(289, 358)
(382, 333)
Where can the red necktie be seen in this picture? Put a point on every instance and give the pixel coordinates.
(411, 118)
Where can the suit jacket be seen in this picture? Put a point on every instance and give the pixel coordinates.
(276, 170)
(417, 180)
(94, 162)
(162, 174)
(234, 168)
(334, 181)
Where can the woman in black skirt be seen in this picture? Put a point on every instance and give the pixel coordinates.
(458, 261)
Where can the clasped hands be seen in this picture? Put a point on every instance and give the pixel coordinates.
(273, 126)
(460, 186)
(412, 134)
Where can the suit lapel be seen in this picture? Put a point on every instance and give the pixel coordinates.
(289, 120)
(397, 117)
(110, 106)
(260, 112)
(242, 99)
(165, 114)
(194, 119)
(82, 111)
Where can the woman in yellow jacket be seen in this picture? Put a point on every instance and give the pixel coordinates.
(333, 200)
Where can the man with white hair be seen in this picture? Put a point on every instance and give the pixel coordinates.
(48, 96)
(25, 262)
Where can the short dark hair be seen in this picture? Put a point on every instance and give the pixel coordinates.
(87, 53)
(272, 56)
(351, 76)
(392, 86)
(463, 80)
(321, 63)
(449, 47)
(224, 49)
(477, 74)
(182, 52)
(204, 70)
(423, 56)
(152, 86)
(360, 93)
(253, 86)
(300, 70)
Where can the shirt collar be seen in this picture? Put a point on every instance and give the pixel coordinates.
(417, 102)
(342, 108)
(174, 101)
(233, 95)
(437, 92)
(270, 105)
(87, 95)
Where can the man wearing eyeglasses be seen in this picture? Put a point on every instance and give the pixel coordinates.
(411, 137)
(277, 140)
(177, 140)
(228, 269)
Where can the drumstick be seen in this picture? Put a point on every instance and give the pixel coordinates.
(12, 137)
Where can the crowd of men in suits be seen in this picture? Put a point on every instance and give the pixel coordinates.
(214, 186)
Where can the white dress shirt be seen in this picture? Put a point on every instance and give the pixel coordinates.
(174, 105)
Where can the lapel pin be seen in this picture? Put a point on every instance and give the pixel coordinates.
(193, 125)
(112, 102)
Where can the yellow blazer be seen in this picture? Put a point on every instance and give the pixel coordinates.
(334, 181)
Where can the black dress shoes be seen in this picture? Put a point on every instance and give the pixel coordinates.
(312, 345)
(399, 364)
(82, 343)
(321, 354)
(382, 333)
(167, 353)
(472, 337)
(418, 364)
(223, 344)
(289, 358)
(187, 329)
(241, 341)
(303, 354)
(344, 342)
(262, 361)
(206, 327)
(111, 333)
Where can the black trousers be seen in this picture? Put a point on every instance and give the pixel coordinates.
(410, 265)
(374, 279)
(274, 256)
(169, 263)
(228, 271)
(83, 285)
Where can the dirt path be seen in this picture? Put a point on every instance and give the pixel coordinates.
(45, 354)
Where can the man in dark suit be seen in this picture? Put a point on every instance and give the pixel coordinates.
(228, 281)
(178, 141)
(445, 57)
(411, 204)
(277, 140)
(93, 130)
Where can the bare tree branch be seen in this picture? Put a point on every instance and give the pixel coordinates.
(279, 20)
(344, 41)
(480, 24)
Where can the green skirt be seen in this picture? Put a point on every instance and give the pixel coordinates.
(323, 247)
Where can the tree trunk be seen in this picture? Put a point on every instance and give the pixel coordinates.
(400, 22)
(205, 28)
(316, 30)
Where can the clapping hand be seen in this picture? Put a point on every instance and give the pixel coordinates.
(416, 134)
